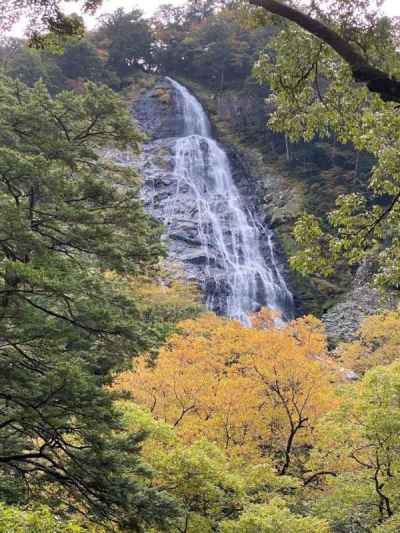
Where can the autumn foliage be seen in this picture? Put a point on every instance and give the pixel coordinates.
(377, 343)
(253, 391)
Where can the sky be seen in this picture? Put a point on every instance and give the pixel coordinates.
(148, 6)
(391, 7)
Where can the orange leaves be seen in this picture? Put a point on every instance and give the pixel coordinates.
(250, 390)
(378, 343)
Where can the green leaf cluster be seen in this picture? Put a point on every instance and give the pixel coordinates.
(314, 97)
(68, 217)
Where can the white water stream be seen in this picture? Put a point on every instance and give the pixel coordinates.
(244, 278)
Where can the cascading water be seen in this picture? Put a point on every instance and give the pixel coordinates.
(232, 267)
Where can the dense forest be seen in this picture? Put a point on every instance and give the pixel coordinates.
(127, 405)
(213, 51)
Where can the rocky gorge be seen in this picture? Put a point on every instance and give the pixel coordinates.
(273, 199)
(212, 223)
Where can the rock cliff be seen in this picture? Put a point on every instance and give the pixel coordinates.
(275, 196)
(212, 209)
(344, 318)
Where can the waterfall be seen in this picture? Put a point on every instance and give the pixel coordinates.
(236, 262)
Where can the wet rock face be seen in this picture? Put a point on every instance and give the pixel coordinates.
(189, 200)
(157, 114)
(170, 204)
(343, 320)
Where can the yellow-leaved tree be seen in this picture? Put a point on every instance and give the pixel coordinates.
(358, 444)
(378, 343)
(255, 392)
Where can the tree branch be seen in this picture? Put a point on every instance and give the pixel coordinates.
(317, 475)
(376, 80)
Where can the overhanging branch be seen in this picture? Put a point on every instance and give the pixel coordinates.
(376, 80)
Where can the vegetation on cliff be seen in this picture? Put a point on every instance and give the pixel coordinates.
(123, 405)
(209, 47)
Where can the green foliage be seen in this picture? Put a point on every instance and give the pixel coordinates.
(170, 297)
(128, 39)
(61, 28)
(77, 62)
(314, 96)
(390, 526)
(14, 520)
(29, 65)
(65, 327)
(348, 483)
(273, 518)
(310, 236)
(222, 50)
(47, 23)
(360, 442)
(78, 258)
(208, 485)
(206, 42)
(80, 60)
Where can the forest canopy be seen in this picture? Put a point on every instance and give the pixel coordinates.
(126, 406)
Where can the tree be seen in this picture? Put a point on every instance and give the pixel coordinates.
(67, 215)
(198, 10)
(223, 50)
(360, 442)
(314, 96)
(206, 42)
(128, 40)
(273, 518)
(170, 297)
(77, 62)
(14, 520)
(170, 29)
(208, 485)
(29, 65)
(254, 392)
(80, 60)
(377, 343)
(377, 80)
(44, 16)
